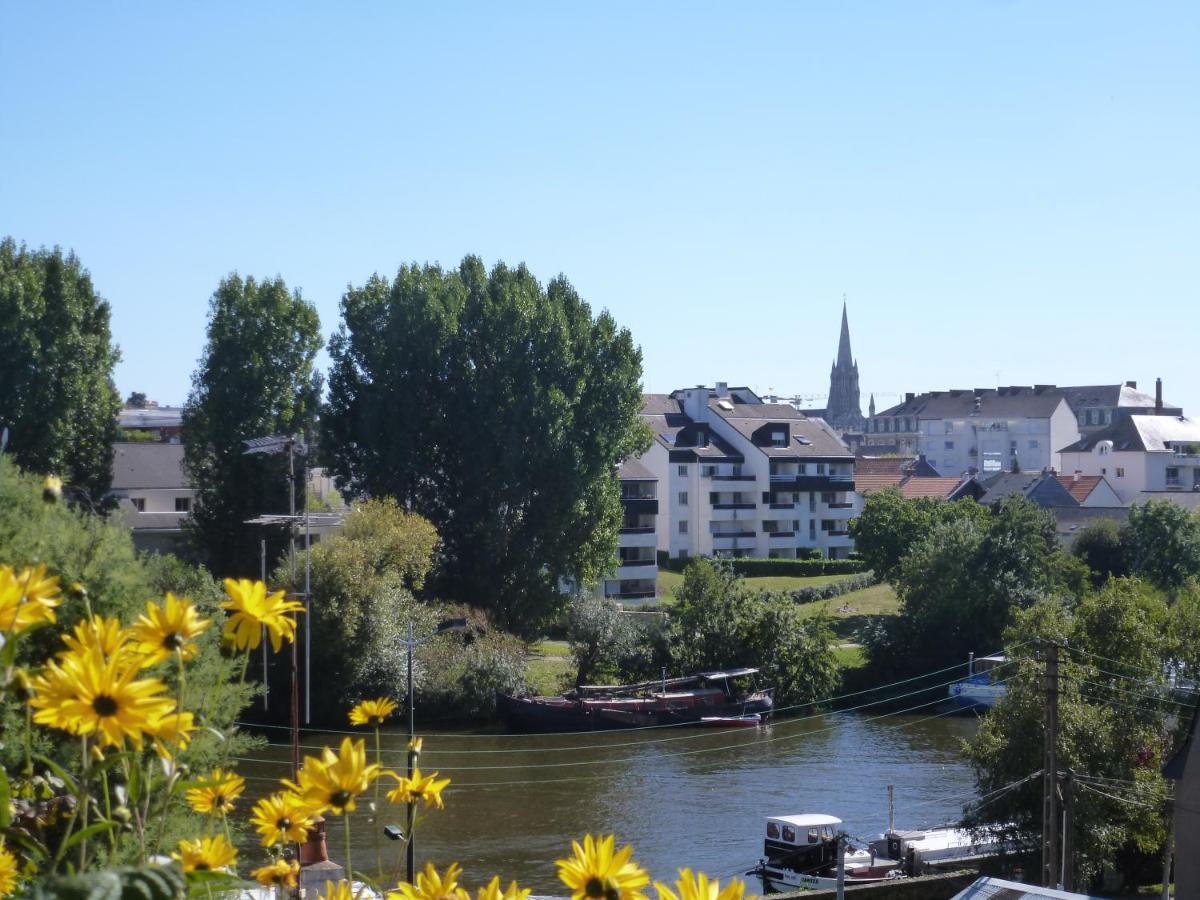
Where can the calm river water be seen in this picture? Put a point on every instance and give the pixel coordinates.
(680, 796)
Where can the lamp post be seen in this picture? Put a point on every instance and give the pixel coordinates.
(411, 644)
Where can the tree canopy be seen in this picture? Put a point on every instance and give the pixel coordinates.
(497, 408)
(255, 379)
(57, 398)
(890, 524)
(1162, 543)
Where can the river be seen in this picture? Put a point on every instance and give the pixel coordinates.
(682, 797)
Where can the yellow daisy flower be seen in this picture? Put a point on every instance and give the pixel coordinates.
(334, 780)
(281, 873)
(171, 732)
(253, 608)
(419, 787)
(84, 693)
(206, 854)
(372, 712)
(431, 886)
(596, 872)
(27, 598)
(216, 794)
(52, 487)
(339, 891)
(493, 892)
(107, 636)
(166, 630)
(8, 872)
(697, 886)
(282, 819)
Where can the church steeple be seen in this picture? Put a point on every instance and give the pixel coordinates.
(844, 357)
(843, 411)
(871, 407)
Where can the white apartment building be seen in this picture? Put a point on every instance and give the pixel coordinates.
(636, 573)
(985, 430)
(1140, 456)
(739, 477)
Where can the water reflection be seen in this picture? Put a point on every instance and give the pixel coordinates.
(695, 798)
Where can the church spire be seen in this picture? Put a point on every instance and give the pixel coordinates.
(871, 408)
(844, 357)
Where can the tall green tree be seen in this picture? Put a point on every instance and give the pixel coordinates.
(890, 524)
(256, 378)
(496, 407)
(57, 398)
(1162, 543)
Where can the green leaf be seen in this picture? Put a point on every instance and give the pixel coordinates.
(86, 833)
(5, 800)
(59, 772)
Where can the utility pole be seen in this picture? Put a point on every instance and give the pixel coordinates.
(841, 866)
(1067, 875)
(1050, 821)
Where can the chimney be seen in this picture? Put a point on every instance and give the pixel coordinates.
(722, 388)
(1158, 405)
(1075, 477)
(910, 397)
(1131, 384)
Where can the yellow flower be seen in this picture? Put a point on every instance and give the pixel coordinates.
(172, 731)
(84, 693)
(215, 794)
(52, 488)
(372, 712)
(27, 598)
(104, 635)
(253, 608)
(415, 745)
(339, 891)
(282, 819)
(281, 873)
(166, 630)
(8, 872)
(596, 872)
(493, 892)
(431, 886)
(333, 781)
(697, 886)
(419, 787)
(206, 854)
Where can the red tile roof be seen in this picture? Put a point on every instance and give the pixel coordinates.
(882, 465)
(865, 483)
(1080, 486)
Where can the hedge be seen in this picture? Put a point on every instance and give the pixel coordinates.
(833, 589)
(757, 568)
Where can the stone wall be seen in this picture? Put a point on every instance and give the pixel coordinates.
(926, 887)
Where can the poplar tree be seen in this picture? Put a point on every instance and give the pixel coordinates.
(497, 408)
(255, 379)
(57, 398)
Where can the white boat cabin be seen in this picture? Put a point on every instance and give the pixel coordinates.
(801, 831)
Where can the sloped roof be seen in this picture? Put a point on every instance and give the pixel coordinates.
(148, 466)
(869, 482)
(1040, 487)
(633, 470)
(881, 465)
(1036, 402)
(1118, 396)
(809, 437)
(675, 430)
(1080, 486)
(151, 417)
(1150, 434)
(942, 487)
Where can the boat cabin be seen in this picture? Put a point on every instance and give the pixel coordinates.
(804, 842)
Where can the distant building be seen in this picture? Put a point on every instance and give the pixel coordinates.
(1098, 406)
(740, 477)
(636, 574)
(940, 487)
(843, 406)
(162, 423)
(1142, 457)
(154, 494)
(1042, 488)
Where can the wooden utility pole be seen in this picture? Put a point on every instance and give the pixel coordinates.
(1067, 875)
(1050, 819)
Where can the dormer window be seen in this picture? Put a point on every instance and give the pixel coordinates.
(779, 437)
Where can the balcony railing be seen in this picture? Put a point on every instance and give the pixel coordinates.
(733, 506)
(840, 505)
(719, 535)
(719, 477)
(782, 534)
(628, 563)
(632, 595)
(637, 529)
(789, 505)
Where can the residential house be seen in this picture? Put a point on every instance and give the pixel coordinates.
(941, 487)
(1140, 456)
(741, 477)
(636, 573)
(1098, 406)
(1090, 490)
(154, 494)
(1042, 488)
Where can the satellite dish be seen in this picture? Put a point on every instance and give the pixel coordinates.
(3, 440)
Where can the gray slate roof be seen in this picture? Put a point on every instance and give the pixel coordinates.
(1141, 433)
(633, 470)
(148, 466)
(1037, 402)
(1041, 487)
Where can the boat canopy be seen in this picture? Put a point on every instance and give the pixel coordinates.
(806, 821)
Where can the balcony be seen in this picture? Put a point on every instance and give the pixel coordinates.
(632, 595)
(733, 506)
(636, 529)
(640, 505)
(719, 477)
(840, 505)
(637, 537)
(732, 535)
(781, 534)
(636, 569)
(788, 505)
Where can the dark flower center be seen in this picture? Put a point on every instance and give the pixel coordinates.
(284, 824)
(104, 706)
(172, 641)
(201, 867)
(594, 888)
(218, 800)
(339, 799)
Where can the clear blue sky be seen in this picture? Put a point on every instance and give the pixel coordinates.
(996, 186)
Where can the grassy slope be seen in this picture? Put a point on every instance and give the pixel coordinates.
(669, 583)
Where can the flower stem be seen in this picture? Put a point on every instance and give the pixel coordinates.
(349, 867)
(376, 829)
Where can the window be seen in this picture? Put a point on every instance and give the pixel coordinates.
(1012, 446)
(949, 427)
(779, 438)
(948, 445)
(706, 471)
(1033, 444)
(183, 504)
(812, 529)
(803, 468)
(1108, 417)
(1120, 472)
(812, 502)
(683, 527)
(820, 468)
(683, 498)
(683, 554)
(683, 471)
(795, 524)
(139, 503)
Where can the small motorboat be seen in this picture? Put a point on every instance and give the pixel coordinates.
(751, 721)
(802, 852)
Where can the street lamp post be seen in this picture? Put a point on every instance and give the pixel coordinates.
(411, 644)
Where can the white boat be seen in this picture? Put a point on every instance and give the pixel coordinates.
(801, 852)
(923, 850)
(981, 689)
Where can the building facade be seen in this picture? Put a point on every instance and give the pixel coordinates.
(636, 573)
(740, 477)
(1140, 456)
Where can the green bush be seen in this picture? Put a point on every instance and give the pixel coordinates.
(758, 568)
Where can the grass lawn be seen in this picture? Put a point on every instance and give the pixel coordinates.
(853, 610)
(550, 667)
(850, 657)
(670, 582)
